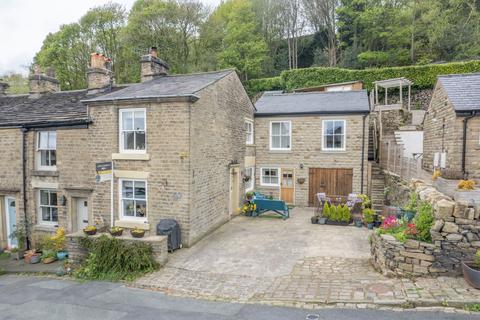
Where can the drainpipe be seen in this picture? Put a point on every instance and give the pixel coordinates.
(24, 182)
(363, 153)
(464, 149)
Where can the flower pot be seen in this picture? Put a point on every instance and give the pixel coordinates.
(322, 220)
(62, 255)
(18, 255)
(471, 274)
(377, 224)
(116, 233)
(49, 260)
(137, 234)
(408, 215)
(358, 223)
(314, 219)
(370, 225)
(90, 232)
(35, 259)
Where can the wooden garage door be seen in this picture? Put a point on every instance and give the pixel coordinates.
(332, 181)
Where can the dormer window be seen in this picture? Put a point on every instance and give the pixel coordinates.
(132, 131)
(47, 150)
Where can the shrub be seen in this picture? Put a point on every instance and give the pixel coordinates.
(424, 221)
(265, 84)
(466, 185)
(114, 259)
(412, 203)
(346, 216)
(368, 215)
(326, 210)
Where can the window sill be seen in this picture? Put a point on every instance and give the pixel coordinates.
(131, 156)
(44, 173)
(280, 151)
(269, 186)
(132, 224)
(45, 227)
(333, 151)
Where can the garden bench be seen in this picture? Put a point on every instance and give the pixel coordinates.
(277, 206)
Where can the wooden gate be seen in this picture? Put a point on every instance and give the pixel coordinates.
(331, 181)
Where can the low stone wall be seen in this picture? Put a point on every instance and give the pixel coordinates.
(77, 253)
(455, 236)
(399, 190)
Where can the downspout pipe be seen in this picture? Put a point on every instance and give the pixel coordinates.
(464, 147)
(24, 184)
(362, 169)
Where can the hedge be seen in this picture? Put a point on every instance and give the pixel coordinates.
(423, 76)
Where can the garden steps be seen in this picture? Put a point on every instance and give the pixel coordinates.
(377, 187)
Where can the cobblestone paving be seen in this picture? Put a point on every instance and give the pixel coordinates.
(315, 281)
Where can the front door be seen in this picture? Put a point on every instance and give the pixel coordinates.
(287, 186)
(11, 214)
(82, 213)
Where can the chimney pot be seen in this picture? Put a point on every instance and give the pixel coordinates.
(152, 66)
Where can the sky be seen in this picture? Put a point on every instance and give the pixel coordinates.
(24, 24)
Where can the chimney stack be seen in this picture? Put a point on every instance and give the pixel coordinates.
(152, 66)
(41, 83)
(99, 74)
(3, 88)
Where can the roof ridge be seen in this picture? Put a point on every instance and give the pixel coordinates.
(197, 73)
(452, 75)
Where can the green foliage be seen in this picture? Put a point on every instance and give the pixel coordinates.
(474, 307)
(326, 210)
(423, 76)
(18, 84)
(476, 259)
(424, 221)
(412, 203)
(346, 215)
(113, 259)
(265, 84)
(369, 215)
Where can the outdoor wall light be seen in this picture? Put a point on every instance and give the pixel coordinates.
(301, 165)
(63, 200)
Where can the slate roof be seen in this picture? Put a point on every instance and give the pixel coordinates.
(346, 102)
(58, 107)
(183, 85)
(463, 90)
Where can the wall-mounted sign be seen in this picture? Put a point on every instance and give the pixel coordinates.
(104, 171)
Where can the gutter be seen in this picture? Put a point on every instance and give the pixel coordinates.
(362, 169)
(138, 100)
(24, 183)
(464, 147)
(48, 124)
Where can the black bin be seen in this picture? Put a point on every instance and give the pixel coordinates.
(170, 228)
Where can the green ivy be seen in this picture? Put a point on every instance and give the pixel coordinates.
(113, 259)
(423, 76)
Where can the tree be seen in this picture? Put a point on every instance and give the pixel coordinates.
(243, 48)
(18, 84)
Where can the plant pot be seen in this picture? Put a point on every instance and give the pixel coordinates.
(370, 225)
(408, 215)
(377, 224)
(35, 259)
(470, 274)
(17, 255)
(117, 233)
(90, 232)
(62, 255)
(358, 223)
(49, 260)
(138, 234)
(337, 223)
(314, 219)
(322, 220)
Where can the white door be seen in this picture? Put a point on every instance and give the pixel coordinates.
(82, 213)
(11, 214)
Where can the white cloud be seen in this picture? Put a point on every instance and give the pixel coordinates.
(24, 24)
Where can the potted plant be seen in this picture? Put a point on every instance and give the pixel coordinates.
(28, 255)
(137, 232)
(59, 243)
(20, 235)
(369, 218)
(49, 256)
(471, 271)
(116, 231)
(410, 210)
(90, 230)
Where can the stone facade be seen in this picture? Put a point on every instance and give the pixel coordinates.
(455, 238)
(306, 152)
(443, 131)
(77, 252)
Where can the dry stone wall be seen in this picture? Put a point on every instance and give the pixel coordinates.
(455, 238)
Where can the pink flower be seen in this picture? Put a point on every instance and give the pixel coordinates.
(389, 223)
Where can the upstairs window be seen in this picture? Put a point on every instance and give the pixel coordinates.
(133, 130)
(280, 135)
(48, 210)
(333, 135)
(249, 128)
(47, 150)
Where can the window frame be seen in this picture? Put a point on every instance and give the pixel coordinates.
(289, 133)
(251, 134)
(252, 179)
(122, 216)
(39, 150)
(120, 130)
(270, 184)
(344, 140)
(40, 206)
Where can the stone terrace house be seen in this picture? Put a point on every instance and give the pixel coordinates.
(452, 126)
(311, 142)
(177, 144)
